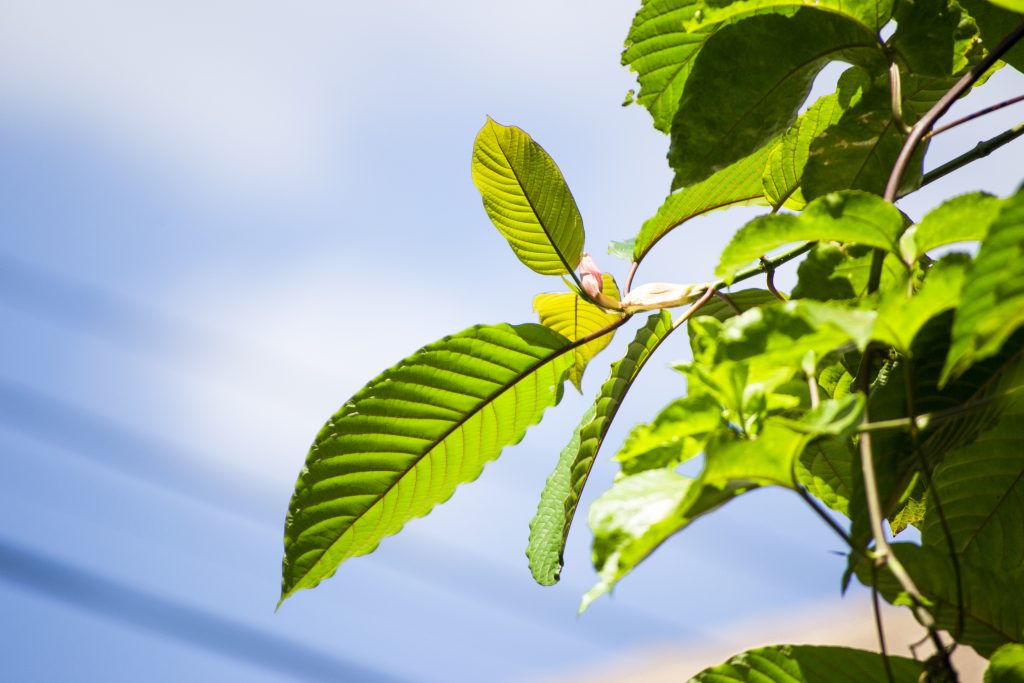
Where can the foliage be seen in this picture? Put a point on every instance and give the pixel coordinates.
(888, 386)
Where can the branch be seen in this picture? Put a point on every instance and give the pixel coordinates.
(974, 115)
(981, 150)
(924, 125)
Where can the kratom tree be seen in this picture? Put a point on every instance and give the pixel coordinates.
(885, 388)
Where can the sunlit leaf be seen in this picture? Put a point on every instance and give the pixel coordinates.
(810, 664)
(961, 219)
(749, 81)
(738, 184)
(527, 199)
(852, 216)
(405, 442)
(995, 23)
(874, 15)
(933, 37)
(677, 433)
(550, 526)
(900, 317)
(992, 305)
(825, 468)
(1006, 665)
(573, 318)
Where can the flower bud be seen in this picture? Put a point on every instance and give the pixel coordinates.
(590, 276)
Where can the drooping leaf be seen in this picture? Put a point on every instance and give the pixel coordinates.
(1006, 665)
(787, 159)
(933, 37)
(744, 90)
(405, 442)
(851, 216)
(900, 317)
(992, 305)
(527, 199)
(640, 512)
(739, 184)
(573, 318)
(825, 468)
(995, 23)
(961, 219)
(661, 51)
(810, 664)
(550, 526)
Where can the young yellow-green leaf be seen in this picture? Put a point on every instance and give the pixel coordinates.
(676, 434)
(1006, 665)
(786, 161)
(738, 184)
(527, 199)
(851, 216)
(573, 318)
(405, 442)
(661, 52)
(561, 495)
(961, 219)
(1016, 6)
(749, 81)
(992, 301)
(811, 664)
(874, 15)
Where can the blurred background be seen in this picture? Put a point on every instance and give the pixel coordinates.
(220, 219)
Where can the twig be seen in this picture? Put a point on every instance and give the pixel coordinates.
(925, 123)
(924, 419)
(809, 499)
(980, 150)
(728, 301)
(629, 278)
(974, 115)
(762, 267)
(769, 271)
(876, 609)
(708, 293)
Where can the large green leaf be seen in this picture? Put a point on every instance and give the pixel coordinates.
(738, 184)
(874, 15)
(1006, 665)
(992, 301)
(527, 199)
(961, 219)
(561, 495)
(572, 317)
(933, 37)
(901, 317)
(825, 468)
(851, 216)
(786, 162)
(810, 664)
(404, 442)
(749, 81)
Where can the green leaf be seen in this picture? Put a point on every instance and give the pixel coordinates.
(992, 301)
(843, 217)
(550, 526)
(405, 442)
(810, 664)
(993, 602)
(873, 15)
(837, 272)
(739, 184)
(1012, 5)
(831, 417)
(825, 468)
(676, 434)
(662, 54)
(1006, 665)
(787, 159)
(961, 219)
(573, 318)
(995, 23)
(933, 37)
(900, 317)
(527, 199)
(744, 89)
(640, 512)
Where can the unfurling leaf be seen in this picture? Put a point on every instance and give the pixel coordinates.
(405, 442)
(572, 317)
(527, 199)
(655, 295)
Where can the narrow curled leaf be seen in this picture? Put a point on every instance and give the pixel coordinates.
(405, 442)
(851, 216)
(527, 199)
(746, 87)
(572, 317)
(561, 495)
(810, 664)
(992, 305)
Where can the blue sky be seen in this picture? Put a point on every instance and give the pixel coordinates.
(219, 220)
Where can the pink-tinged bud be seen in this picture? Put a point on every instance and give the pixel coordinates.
(590, 276)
